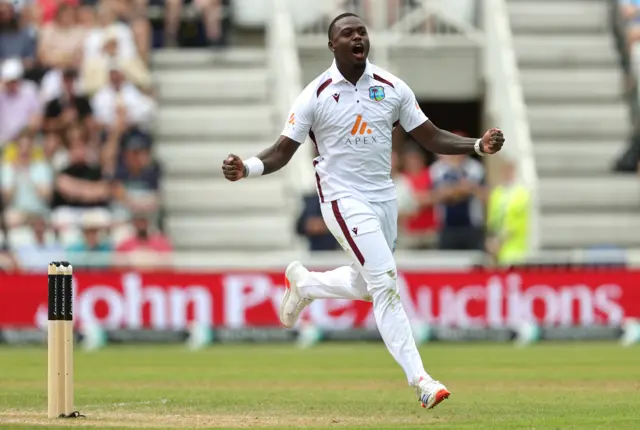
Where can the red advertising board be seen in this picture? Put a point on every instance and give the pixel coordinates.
(242, 299)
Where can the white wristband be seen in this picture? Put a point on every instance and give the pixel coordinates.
(478, 149)
(255, 167)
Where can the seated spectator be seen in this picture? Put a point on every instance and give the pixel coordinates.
(120, 97)
(148, 248)
(508, 219)
(15, 42)
(48, 9)
(27, 183)
(19, 103)
(26, 12)
(311, 225)
(39, 247)
(63, 112)
(211, 11)
(136, 183)
(94, 248)
(631, 14)
(81, 185)
(460, 192)
(95, 69)
(103, 23)
(61, 41)
(133, 13)
(8, 263)
(421, 227)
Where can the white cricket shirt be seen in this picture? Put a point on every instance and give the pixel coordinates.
(351, 127)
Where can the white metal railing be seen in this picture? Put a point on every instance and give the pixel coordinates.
(285, 72)
(505, 103)
(394, 22)
(286, 85)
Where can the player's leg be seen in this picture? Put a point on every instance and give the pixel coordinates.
(372, 240)
(342, 283)
(430, 393)
(303, 286)
(361, 232)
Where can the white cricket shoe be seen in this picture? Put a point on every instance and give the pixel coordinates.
(431, 393)
(292, 303)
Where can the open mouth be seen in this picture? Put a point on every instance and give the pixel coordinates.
(358, 50)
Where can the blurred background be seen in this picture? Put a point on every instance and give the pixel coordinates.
(115, 116)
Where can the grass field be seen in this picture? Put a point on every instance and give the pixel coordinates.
(345, 386)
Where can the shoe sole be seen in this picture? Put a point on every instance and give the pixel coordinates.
(441, 395)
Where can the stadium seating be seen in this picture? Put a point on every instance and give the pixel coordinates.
(573, 83)
(214, 104)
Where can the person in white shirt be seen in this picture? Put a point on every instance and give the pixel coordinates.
(121, 95)
(349, 112)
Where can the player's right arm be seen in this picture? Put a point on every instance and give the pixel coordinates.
(280, 153)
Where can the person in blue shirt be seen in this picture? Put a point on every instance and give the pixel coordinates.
(311, 225)
(460, 191)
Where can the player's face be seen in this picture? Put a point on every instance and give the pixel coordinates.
(350, 41)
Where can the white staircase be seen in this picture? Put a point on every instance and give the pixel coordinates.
(214, 104)
(573, 85)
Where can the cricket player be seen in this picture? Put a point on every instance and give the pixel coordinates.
(349, 113)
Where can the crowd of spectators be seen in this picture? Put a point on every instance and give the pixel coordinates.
(445, 203)
(77, 106)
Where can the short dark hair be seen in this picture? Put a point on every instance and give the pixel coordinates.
(338, 18)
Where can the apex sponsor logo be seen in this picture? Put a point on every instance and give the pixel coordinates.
(360, 127)
(361, 133)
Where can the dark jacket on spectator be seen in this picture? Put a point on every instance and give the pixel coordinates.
(323, 242)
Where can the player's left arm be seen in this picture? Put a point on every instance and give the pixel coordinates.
(437, 140)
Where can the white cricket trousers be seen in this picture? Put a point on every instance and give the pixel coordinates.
(367, 232)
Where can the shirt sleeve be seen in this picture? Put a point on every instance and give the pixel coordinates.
(101, 106)
(411, 116)
(42, 174)
(475, 172)
(142, 108)
(301, 117)
(8, 176)
(35, 104)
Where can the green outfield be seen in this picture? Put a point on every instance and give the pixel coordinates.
(345, 386)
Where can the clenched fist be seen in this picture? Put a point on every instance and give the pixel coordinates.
(492, 141)
(233, 168)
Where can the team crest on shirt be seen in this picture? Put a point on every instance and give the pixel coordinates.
(376, 93)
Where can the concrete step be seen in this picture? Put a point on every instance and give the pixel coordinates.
(213, 86)
(211, 122)
(580, 229)
(572, 85)
(255, 231)
(585, 50)
(615, 192)
(203, 158)
(188, 59)
(589, 121)
(562, 16)
(569, 158)
(191, 196)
